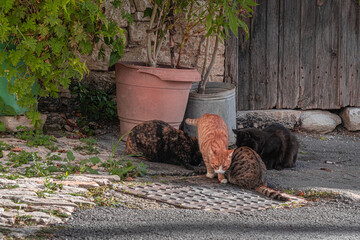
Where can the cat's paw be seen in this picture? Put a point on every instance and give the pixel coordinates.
(224, 181)
(210, 175)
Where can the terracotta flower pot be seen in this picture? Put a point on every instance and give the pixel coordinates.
(147, 93)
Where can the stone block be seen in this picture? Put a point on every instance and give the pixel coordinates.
(141, 5)
(12, 122)
(137, 33)
(351, 118)
(262, 118)
(319, 121)
(134, 54)
(139, 17)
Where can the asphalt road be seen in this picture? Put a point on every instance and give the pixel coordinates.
(329, 162)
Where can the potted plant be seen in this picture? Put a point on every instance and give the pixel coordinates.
(218, 18)
(142, 92)
(41, 43)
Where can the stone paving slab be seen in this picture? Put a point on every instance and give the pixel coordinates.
(208, 198)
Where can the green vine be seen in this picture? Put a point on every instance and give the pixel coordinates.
(40, 42)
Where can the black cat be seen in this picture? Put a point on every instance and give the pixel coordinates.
(275, 144)
(158, 141)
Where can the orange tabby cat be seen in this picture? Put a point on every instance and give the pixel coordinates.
(213, 141)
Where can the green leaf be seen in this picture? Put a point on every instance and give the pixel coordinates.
(2, 103)
(2, 127)
(209, 21)
(114, 58)
(70, 155)
(93, 171)
(95, 160)
(9, 111)
(233, 24)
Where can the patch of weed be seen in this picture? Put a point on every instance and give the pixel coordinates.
(89, 147)
(16, 160)
(10, 186)
(313, 195)
(95, 103)
(100, 197)
(36, 138)
(4, 146)
(24, 220)
(124, 168)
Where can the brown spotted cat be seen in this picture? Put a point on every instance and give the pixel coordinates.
(158, 141)
(213, 141)
(248, 171)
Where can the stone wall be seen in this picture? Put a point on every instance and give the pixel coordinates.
(193, 54)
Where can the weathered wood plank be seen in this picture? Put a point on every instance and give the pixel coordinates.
(272, 53)
(288, 89)
(344, 96)
(244, 81)
(307, 55)
(353, 54)
(301, 54)
(231, 59)
(326, 93)
(258, 58)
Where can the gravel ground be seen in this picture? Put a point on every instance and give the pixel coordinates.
(329, 162)
(326, 221)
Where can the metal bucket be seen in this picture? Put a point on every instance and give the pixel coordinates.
(218, 99)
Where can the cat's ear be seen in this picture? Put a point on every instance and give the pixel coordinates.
(235, 131)
(230, 152)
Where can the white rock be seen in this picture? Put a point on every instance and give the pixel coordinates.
(351, 118)
(319, 121)
(12, 122)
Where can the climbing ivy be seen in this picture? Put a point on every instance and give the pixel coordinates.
(41, 42)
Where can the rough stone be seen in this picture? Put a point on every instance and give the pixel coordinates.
(139, 17)
(262, 118)
(100, 80)
(134, 54)
(351, 118)
(137, 32)
(141, 5)
(319, 121)
(12, 122)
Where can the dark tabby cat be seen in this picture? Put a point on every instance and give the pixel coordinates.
(275, 144)
(158, 141)
(248, 171)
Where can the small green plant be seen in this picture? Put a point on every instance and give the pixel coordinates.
(10, 186)
(115, 146)
(95, 104)
(16, 160)
(124, 168)
(11, 176)
(56, 213)
(39, 169)
(36, 138)
(313, 195)
(4, 146)
(100, 197)
(52, 186)
(89, 147)
(24, 220)
(4, 169)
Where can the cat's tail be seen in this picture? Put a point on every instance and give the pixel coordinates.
(190, 121)
(271, 193)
